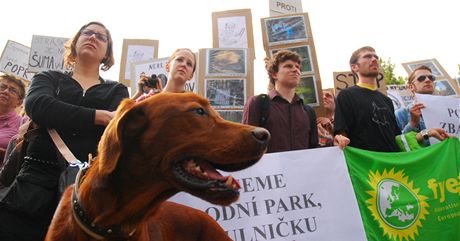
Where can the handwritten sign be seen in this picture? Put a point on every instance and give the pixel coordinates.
(14, 60)
(441, 112)
(279, 7)
(345, 79)
(400, 95)
(157, 67)
(46, 53)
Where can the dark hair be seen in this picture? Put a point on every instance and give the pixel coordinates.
(173, 55)
(412, 74)
(16, 81)
(272, 64)
(71, 52)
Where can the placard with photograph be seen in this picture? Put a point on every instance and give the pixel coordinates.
(226, 62)
(46, 53)
(232, 115)
(232, 29)
(438, 71)
(15, 60)
(433, 64)
(136, 50)
(308, 91)
(305, 55)
(444, 88)
(226, 93)
(284, 29)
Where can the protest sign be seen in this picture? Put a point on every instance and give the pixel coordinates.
(14, 60)
(297, 195)
(46, 53)
(157, 67)
(441, 112)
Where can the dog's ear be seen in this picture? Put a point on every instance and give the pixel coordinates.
(127, 124)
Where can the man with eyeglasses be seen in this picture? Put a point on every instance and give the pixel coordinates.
(362, 113)
(12, 92)
(420, 81)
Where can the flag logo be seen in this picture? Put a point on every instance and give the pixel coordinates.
(396, 204)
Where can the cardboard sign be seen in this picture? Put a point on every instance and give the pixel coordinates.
(445, 85)
(345, 79)
(136, 50)
(46, 53)
(15, 60)
(400, 95)
(157, 67)
(279, 7)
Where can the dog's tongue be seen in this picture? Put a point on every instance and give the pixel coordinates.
(214, 174)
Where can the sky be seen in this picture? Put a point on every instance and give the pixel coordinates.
(403, 31)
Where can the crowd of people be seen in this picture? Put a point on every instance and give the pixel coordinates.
(79, 104)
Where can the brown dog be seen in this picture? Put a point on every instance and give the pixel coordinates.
(150, 151)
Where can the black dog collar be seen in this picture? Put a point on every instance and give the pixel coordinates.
(86, 223)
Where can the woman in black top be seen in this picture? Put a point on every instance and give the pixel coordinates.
(79, 105)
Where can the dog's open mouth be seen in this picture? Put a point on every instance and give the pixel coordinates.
(201, 174)
(201, 178)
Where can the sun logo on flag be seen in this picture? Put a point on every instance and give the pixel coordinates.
(396, 204)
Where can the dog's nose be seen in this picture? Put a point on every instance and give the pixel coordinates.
(261, 135)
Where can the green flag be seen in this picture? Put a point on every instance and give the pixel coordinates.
(408, 195)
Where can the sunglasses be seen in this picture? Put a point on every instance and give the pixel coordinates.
(99, 36)
(422, 78)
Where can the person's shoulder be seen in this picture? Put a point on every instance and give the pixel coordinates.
(108, 82)
(51, 74)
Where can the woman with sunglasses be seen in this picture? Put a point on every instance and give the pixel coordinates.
(78, 105)
(420, 81)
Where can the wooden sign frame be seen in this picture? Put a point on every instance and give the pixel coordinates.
(229, 31)
(436, 69)
(139, 50)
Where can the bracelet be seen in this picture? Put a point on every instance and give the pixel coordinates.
(424, 133)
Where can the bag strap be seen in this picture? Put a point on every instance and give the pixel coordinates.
(63, 149)
(264, 107)
(314, 141)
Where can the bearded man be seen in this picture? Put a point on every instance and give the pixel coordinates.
(363, 114)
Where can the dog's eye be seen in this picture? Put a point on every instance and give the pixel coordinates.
(200, 111)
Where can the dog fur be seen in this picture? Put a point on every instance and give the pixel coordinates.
(144, 158)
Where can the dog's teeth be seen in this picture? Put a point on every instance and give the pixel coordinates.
(229, 181)
(205, 173)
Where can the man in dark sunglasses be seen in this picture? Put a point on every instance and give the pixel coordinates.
(421, 81)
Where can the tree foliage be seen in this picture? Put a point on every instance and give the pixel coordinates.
(388, 71)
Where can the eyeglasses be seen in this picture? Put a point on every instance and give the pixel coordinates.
(10, 89)
(422, 78)
(99, 36)
(369, 56)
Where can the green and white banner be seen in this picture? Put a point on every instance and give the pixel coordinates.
(408, 196)
(327, 194)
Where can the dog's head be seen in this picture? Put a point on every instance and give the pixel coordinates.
(177, 141)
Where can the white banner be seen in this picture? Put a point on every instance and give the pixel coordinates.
(441, 112)
(297, 195)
